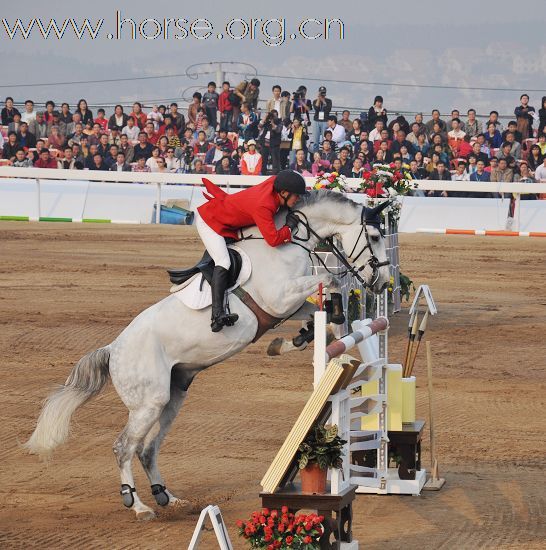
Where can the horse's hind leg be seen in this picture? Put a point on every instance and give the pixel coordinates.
(149, 450)
(140, 422)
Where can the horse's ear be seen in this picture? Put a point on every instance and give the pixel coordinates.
(372, 213)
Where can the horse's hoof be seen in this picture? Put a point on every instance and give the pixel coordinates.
(145, 515)
(275, 347)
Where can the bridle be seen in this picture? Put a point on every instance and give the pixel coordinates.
(373, 261)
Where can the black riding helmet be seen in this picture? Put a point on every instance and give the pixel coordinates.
(291, 181)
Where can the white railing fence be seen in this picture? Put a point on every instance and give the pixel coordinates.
(77, 194)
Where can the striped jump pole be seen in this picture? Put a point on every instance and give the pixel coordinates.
(335, 349)
(323, 353)
(483, 232)
(65, 220)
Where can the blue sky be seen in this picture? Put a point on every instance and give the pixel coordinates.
(465, 43)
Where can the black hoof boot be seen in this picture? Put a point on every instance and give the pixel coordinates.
(161, 497)
(127, 495)
(306, 335)
(338, 317)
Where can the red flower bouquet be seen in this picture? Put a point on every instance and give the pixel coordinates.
(331, 180)
(271, 530)
(385, 181)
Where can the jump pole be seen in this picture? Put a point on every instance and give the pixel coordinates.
(434, 483)
(323, 353)
(335, 349)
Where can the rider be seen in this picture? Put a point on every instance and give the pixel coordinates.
(225, 214)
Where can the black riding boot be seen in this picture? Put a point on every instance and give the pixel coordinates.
(220, 280)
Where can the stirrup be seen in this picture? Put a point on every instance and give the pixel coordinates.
(223, 320)
(229, 319)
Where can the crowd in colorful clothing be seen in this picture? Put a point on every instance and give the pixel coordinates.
(224, 131)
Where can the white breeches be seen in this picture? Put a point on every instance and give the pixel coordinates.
(214, 243)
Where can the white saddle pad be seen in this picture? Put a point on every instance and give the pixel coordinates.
(196, 293)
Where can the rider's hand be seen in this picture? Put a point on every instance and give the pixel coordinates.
(292, 220)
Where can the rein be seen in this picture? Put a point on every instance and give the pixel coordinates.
(373, 261)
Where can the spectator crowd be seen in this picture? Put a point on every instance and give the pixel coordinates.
(223, 131)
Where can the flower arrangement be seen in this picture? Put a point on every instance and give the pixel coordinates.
(331, 180)
(384, 180)
(271, 530)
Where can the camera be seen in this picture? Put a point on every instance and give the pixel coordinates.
(297, 95)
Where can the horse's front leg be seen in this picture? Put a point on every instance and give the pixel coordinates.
(302, 288)
(295, 291)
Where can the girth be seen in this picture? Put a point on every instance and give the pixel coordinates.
(265, 320)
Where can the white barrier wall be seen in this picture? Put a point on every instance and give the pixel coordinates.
(453, 213)
(133, 202)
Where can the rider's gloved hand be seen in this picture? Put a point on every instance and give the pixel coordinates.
(292, 220)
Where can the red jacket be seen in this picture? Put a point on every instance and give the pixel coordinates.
(223, 102)
(140, 119)
(51, 163)
(257, 205)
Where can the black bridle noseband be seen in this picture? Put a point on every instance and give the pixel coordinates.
(373, 261)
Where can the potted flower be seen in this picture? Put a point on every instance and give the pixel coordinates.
(271, 530)
(321, 449)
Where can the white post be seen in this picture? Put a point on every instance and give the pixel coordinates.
(158, 205)
(341, 416)
(38, 200)
(319, 353)
(517, 212)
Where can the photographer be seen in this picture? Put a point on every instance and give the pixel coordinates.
(270, 141)
(286, 142)
(299, 137)
(301, 106)
(322, 106)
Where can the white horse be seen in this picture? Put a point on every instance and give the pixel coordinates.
(154, 360)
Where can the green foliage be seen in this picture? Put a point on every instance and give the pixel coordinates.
(354, 307)
(406, 286)
(323, 446)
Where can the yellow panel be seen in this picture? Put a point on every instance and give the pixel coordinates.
(371, 421)
(408, 399)
(394, 397)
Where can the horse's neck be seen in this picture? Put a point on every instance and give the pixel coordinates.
(327, 219)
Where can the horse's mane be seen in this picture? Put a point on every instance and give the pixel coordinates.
(324, 195)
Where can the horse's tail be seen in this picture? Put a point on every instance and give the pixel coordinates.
(86, 380)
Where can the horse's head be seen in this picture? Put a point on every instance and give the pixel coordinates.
(332, 214)
(363, 242)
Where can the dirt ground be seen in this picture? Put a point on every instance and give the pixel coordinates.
(66, 289)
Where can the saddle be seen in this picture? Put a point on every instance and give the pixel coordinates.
(197, 295)
(205, 266)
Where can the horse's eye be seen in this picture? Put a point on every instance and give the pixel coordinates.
(375, 238)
